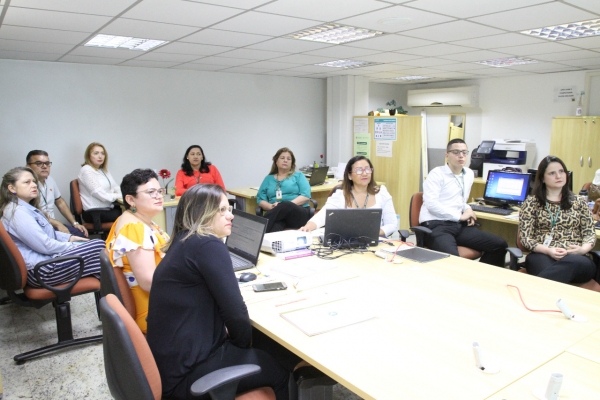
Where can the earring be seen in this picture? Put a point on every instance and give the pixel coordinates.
(133, 209)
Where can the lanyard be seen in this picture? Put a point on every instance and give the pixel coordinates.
(44, 193)
(109, 184)
(553, 218)
(462, 186)
(356, 203)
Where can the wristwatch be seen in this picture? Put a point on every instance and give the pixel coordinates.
(75, 223)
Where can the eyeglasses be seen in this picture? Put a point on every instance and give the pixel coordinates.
(359, 170)
(223, 210)
(39, 163)
(457, 152)
(154, 193)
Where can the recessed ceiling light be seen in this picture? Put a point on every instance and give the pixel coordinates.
(573, 30)
(334, 33)
(412, 78)
(506, 62)
(394, 21)
(346, 64)
(124, 42)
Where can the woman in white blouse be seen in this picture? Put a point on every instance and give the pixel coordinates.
(359, 191)
(97, 187)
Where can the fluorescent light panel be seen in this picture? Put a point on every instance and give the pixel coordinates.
(573, 30)
(334, 33)
(124, 42)
(346, 64)
(412, 78)
(506, 62)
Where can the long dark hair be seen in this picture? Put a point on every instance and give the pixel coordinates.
(347, 184)
(539, 187)
(187, 167)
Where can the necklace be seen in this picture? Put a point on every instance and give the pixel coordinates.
(197, 178)
(356, 203)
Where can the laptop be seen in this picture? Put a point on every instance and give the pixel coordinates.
(318, 176)
(351, 227)
(246, 237)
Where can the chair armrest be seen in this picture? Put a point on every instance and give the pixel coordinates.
(404, 234)
(315, 203)
(515, 254)
(420, 233)
(222, 383)
(63, 294)
(259, 211)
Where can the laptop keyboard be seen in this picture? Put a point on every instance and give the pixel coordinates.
(239, 263)
(492, 210)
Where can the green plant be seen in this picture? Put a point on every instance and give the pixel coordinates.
(391, 104)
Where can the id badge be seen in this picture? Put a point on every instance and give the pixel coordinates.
(278, 194)
(548, 240)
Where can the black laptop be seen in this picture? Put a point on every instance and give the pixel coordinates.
(318, 176)
(351, 227)
(247, 232)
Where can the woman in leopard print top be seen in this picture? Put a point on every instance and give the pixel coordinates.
(557, 227)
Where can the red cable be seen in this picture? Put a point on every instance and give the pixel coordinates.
(525, 305)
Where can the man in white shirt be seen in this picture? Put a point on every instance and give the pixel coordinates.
(445, 210)
(39, 162)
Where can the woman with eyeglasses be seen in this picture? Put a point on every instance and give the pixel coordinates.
(35, 237)
(196, 170)
(284, 194)
(97, 187)
(557, 227)
(135, 241)
(197, 320)
(359, 191)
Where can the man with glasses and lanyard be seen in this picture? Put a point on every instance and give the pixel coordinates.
(39, 162)
(445, 210)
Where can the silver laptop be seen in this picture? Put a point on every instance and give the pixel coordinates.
(351, 227)
(246, 237)
(318, 176)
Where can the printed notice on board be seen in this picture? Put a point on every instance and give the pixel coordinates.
(385, 128)
(362, 145)
(565, 94)
(361, 125)
(383, 148)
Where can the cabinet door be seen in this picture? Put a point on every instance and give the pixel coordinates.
(591, 152)
(569, 139)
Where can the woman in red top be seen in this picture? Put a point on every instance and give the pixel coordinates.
(195, 170)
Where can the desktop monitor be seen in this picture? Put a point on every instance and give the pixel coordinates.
(506, 188)
(533, 173)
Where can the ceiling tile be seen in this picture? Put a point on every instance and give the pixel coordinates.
(191, 48)
(34, 47)
(289, 45)
(438, 50)
(122, 54)
(147, 30)
(464, 66)
(251, 54)
(322, 10)
(584, 43)
(502, 40)
(390, 42)
(148, 64)
(541, 66)
(583, 62)
(303, 59)
(479, 55)
(342, 52)
(104, 7)
(313, 68)
(265, 24)
(23, 55)
(213, 60)
(175, 58)
(42, 35)
(389, 57)
(451, 75)
(224, 38)
(591, 5)
(452, 31)
(470, 8)
(246, 70)
(272, 65)
(180, 12)
(535, 17)
(568, 55)
(90, 60)
(425, 62)
(200, 67)
(417, 18)
(243, 4)
(533, 49)
(54, 19)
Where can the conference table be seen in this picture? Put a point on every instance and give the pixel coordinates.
(426, 318)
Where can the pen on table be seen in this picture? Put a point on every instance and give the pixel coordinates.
(290, 302)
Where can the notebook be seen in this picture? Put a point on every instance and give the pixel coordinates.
(318, 176)
(247, 232)
(352, 227)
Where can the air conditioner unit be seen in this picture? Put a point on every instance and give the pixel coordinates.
(466, 96)
(279, 242)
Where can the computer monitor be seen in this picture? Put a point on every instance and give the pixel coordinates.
(533, 173)
(506, 188)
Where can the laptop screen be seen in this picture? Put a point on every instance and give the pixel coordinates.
(246, 237)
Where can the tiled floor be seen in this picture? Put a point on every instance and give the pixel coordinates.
(76, 373)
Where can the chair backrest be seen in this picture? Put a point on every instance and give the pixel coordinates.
(113, 281)
(586, 186)
(333, 190)
(13, 271)
(131, 371)
(76, 204)
(416, 201)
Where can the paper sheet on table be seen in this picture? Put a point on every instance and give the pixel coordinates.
(329, 316)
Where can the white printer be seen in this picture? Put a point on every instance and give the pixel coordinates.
(515, 153)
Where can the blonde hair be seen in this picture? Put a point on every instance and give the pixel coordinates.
(88, 152)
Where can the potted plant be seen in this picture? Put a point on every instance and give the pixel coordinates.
(393, 109)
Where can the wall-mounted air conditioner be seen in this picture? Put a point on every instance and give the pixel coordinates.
(466, 96)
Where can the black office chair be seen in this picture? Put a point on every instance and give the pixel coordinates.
(13, 279)
(260, 212)
(95, 228)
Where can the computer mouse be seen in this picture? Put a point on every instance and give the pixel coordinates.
(247, 277)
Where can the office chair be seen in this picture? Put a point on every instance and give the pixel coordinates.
(131, 370)
(113, 281)
(13, 278)
(260, 212)
(420, 232)
(586, 186)
(95, 228)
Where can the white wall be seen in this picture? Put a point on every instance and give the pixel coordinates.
(148, 117)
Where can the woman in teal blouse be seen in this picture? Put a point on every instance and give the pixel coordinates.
(284, 194)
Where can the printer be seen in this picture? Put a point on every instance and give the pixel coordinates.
(514, 153)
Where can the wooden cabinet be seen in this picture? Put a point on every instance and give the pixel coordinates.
(399, 162)
(576, 140)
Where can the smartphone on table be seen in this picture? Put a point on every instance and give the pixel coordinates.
(266, 287)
